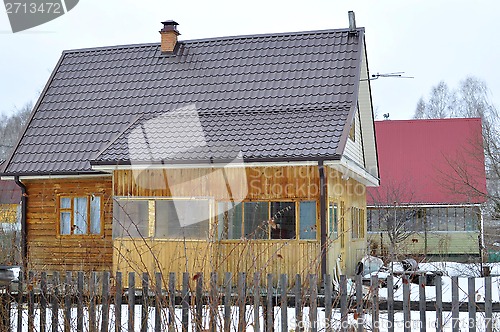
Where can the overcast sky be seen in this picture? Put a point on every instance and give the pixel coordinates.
(432, 40)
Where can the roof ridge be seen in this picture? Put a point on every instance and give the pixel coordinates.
(208, 39)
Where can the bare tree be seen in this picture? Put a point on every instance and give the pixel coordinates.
(11, 127)
(470, 99)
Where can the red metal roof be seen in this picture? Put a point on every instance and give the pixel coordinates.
(429, 161)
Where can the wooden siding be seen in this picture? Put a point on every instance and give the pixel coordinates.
(253, 183)
(352, 194)
(49, 251)
(438, 243)
(276, 257)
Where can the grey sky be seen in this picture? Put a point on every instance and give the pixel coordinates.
(431, 40)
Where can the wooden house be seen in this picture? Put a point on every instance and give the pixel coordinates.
(242, 154)
(432, 186)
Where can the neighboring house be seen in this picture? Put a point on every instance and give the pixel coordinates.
(432, 185)
(242, 154)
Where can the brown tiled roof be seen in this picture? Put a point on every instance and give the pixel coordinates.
(276, 96)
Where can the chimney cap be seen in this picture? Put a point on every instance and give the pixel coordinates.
(170, 25)
(169, 22)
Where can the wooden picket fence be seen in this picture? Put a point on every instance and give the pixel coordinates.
(99, 301)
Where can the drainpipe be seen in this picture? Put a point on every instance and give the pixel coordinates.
(322, 215)
(24, 231)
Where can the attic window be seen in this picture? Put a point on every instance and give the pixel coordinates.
(352, 132)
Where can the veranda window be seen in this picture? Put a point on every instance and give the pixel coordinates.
(267, 220)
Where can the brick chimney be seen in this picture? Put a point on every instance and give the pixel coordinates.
(169, 35)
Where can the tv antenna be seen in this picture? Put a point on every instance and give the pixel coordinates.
(398, 74)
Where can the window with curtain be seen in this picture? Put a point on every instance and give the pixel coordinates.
(80, 215)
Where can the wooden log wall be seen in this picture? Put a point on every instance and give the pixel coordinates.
(49, 251)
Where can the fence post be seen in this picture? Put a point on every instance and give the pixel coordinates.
(298, 303)
(390, 303)
(158, 301)
(284, 303)
(439, 304)
(422, 303)
(214, 301)
(198, 302)
(455, 304)
(131, 301)
(375, 307)
(43, 301)
(105, 302)
(20, 294)
(269, 302)
(92, 305)
(79, 301)
(185, 301)
(55, 302)
(328, 303)
(488, 304)
(343, 303)
(241, 301)
(359, 303)
(118, 302)
(227, 301)
(171, 302)
(145, 302)
(31, 301)
(472, 304)
(68, 280)
(313, 296)
(256, 301)
(406, 304)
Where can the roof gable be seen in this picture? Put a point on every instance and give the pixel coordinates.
(424, 161)
(96, 95)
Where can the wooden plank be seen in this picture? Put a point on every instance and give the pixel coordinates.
(328, 303)
(406, 304)
(80, 279)
(198, 303)
(227, 301)
(43, 301)
(269, 304)
(158, 301)
(343, 303)
(171, 302)
(131, 301)
(185, 301)
(439, 303)
(313, 302)
(455, 321)
(92, 302)
(471, 283)
(105, 302)
(118, 301)
(488, 300)
(256, 301)
(68, 281)
(145, 302)
(298, 303)
(55, 301)
(422, 299)
(359, 303)
(214, 302)
(284, 303)
(241, 301)
(390, 303)
(375, 301)
(19, 302)
(31, 301)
